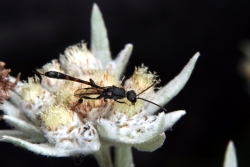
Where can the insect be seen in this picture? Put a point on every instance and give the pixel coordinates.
(107, 92)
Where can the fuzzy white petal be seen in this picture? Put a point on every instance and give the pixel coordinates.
(165, 94)
(11, 110)
(122, 60)
(99, 37)
(152, 144)
(15, 99)
(21, 135)
(107, 129)
(82, 139)
(23, 126)
(14, 133)
(138, 131)
(43, 149)
(172, 118)
(230, 156)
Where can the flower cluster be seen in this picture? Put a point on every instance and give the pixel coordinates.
(49, 120)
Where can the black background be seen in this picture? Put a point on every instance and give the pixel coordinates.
(165, 35)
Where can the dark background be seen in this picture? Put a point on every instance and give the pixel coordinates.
(165, 35)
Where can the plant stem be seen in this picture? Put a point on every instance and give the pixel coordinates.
(103, 157)
(123, 156)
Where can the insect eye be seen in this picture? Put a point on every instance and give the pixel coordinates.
(131, 96)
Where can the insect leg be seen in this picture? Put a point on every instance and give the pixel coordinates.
(121, 102)
(123, 81)
(89, 88)
(92, 98)
(85, 97)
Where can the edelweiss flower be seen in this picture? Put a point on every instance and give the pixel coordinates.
(49, 119)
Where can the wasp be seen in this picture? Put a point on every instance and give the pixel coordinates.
(107, 92)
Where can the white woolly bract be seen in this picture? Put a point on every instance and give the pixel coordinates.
(136, 131)
(77, 139)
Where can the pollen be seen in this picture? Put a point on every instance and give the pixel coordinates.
(56, 116)
(142, 79)
(31, 90)
(65, 94)
(53, 66)
(105, 78)
(127, 108)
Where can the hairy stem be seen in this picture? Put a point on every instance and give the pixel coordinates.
(103, 157)
(123, 156)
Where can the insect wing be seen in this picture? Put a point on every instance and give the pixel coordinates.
(87, 92)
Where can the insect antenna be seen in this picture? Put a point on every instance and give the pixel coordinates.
(38, 74)
(148, 100)
(152, 103)
(146, 89)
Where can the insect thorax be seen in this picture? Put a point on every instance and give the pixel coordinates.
(114, 92)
